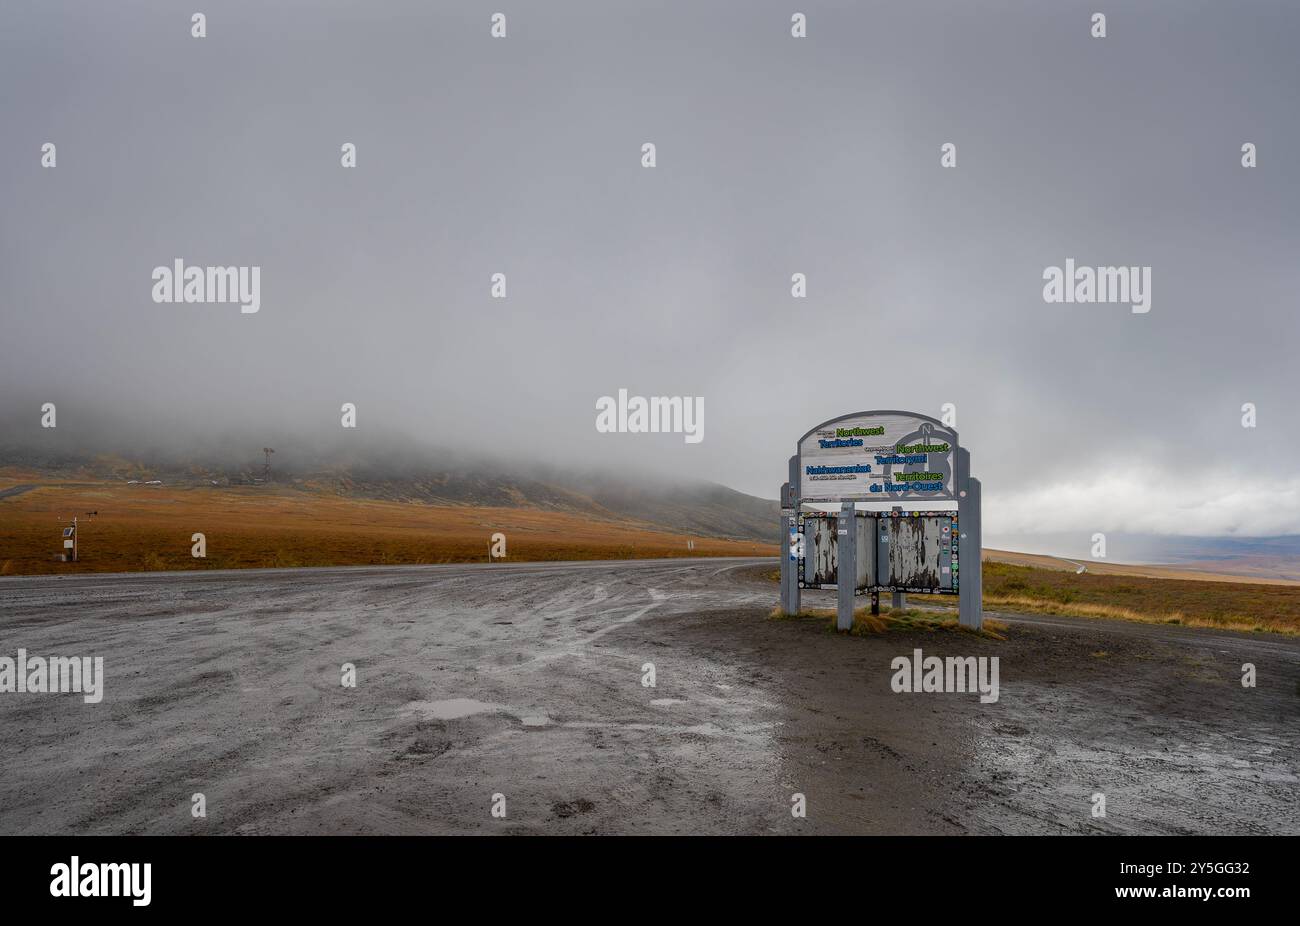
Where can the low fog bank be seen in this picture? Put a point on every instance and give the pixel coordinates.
(88, 436)
(374, 463)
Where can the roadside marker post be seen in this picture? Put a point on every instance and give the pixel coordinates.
(70, 542)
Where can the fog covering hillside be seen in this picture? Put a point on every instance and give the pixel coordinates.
(400, 471)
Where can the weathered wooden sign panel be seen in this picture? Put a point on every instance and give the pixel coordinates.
(918, 552)
(819, 566)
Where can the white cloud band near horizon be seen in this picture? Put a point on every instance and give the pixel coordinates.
(1169, 506)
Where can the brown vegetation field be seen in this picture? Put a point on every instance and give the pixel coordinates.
(1219, 603)
(150, 527)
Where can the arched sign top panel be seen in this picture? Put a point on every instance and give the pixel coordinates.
(889, 456)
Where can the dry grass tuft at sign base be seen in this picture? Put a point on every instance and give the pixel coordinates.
(867, 624)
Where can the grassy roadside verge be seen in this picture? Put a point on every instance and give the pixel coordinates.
(1184, 602)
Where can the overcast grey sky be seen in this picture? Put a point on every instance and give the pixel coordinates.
(775, 155)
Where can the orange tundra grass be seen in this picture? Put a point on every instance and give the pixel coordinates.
(149, 527)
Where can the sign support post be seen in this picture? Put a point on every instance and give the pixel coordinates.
(787, 541)
(898, 601)
(846, 568)
(970, 590)
(785, 553)
(790, 537)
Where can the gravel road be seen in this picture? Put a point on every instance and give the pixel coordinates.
(521, 687)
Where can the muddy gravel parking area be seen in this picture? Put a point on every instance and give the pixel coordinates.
(524, 689)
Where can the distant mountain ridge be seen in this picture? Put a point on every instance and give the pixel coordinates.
(685, 506)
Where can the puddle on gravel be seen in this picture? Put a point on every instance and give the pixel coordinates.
(452, 709)
(457, 708)
(666, 702)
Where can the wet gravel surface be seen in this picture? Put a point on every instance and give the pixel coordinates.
(521, 687)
